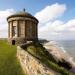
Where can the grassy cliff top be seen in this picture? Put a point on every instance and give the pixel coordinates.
(9, 64)
(38, 51)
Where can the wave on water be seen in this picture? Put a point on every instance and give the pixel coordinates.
(55, 43)
(63, 50)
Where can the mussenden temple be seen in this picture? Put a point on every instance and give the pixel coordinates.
(22, 27)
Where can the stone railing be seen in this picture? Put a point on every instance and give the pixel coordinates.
(31, 65)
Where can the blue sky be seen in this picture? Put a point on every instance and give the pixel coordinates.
(62, 22)
(34, 6)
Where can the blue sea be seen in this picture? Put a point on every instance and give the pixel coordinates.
(68, 45)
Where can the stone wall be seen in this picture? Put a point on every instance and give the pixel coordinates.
(22, 26)
(31, 65)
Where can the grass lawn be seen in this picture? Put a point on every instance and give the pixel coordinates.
(9, 64)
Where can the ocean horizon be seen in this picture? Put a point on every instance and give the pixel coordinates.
(67, 46)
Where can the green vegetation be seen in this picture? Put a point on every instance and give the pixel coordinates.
(9, 64)
(38, 51)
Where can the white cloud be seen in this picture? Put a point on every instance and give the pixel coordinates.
(70, 25)
(49, 25)
(58, 30)
(52, 28)
(3, 22)
(50, 12)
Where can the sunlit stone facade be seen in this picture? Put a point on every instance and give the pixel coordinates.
(22, 27)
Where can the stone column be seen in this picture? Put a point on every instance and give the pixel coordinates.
(36, 34)
(33, 30)
(8, 29)
(17, 27)
(11, 32)
(30, 29)
(36, 30)
(24, 28)
(12, 29)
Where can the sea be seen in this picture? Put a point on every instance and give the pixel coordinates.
(68, 46)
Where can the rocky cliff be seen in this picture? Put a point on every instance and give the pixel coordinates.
(31, 65)
(36, 60)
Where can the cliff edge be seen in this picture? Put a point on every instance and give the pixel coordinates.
(36, 60)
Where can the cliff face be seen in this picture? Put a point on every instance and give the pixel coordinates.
(59, 53)
(35, 59)
(31, 65)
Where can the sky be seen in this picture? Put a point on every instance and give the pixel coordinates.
(56, 17)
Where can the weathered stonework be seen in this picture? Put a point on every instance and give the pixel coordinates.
(22, 25)
(31, 65)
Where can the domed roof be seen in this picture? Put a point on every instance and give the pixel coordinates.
(22, 14)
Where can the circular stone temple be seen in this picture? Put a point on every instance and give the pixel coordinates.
(22, 27)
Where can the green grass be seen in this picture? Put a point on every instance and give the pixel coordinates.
(39, 52)
(9, 64)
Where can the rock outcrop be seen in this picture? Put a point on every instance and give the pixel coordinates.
(31, 65)
(61, 56)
